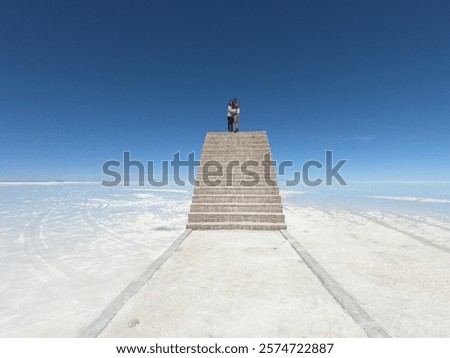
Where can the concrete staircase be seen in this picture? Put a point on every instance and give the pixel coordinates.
(236, 185)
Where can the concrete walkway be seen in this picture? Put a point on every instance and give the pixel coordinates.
(236, 284)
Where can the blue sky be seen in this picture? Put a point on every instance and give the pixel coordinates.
(82, 81)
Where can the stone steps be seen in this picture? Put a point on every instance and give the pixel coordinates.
(235, 149)
(245, 142)
(232, 157)
(236, 226)
(234, 183)
(236, 175)
(226, 154)
(234, 199)
(218, 147)
(242, 141)
(237, 207)
(269, 190)
(236, 217)
(235, 169)
(238, 201)
(224, 145)
(239, 134)
(226, 168)
(238, 151)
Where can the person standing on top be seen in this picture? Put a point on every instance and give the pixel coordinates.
(230, 115)
(237, 112)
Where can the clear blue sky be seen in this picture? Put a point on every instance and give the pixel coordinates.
(82, 81)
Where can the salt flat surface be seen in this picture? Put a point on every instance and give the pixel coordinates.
(233, 284)
(396, 266)
(67, 250)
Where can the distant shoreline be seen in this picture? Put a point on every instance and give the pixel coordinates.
(46, 182)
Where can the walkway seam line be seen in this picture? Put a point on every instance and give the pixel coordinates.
(101, 322)
(345, 300)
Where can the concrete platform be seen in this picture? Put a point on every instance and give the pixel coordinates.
(234, 284)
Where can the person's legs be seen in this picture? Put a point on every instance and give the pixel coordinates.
(230, 124)
(236, 122)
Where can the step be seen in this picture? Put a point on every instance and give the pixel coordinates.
(237, 138)
(237, 162)
(215, 165)
(243, 140)
(259, 156)
(223, 170)
(217, 148)
(228, 152)
(235, 217)
(244, 182)
(242, 143)
(241, 134)
(237, 155)
(236, 191)
(238, 134)
(221, 146)
(234, 146)
(268, 178)
(235, 226)
(234, 199)
(237, 174)
(237, 207)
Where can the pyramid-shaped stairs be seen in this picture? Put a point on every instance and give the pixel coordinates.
(227, 196)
